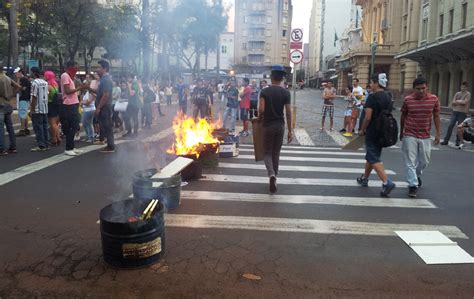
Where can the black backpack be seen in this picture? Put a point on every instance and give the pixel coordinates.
(386, 127)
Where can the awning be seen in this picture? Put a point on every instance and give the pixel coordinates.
(452, 48)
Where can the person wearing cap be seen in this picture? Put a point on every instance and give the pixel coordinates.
(273, 101)
(23, 101)
(376, 102)
(7, 91)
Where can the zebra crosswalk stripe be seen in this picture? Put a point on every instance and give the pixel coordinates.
(309, 199)
(291, 181)
(308, 152)
(303, 225)
(299, 168)
(306, 159)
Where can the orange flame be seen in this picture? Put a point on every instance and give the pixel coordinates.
(191, 135)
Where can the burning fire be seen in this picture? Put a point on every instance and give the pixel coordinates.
(192, 135)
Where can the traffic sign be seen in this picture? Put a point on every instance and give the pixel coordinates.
(296, 56)
(296, 45)
(297, 35)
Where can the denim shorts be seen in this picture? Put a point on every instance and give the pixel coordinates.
(23, 109)
(374, 151)
(244, 114)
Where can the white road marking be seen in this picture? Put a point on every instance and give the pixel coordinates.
(303, 137)
(299, 168)
(313, 226)
(336, 153)
(243, 145)
(309, 199)
(291, 181)
(22, 171)
(337, 137)
(306, 159)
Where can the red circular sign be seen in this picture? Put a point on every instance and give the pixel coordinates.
(296, 56)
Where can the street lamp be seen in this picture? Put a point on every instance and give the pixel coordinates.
(373, 51)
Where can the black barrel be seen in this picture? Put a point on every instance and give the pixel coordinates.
(193, 171)
(169, 192)
(129, 245)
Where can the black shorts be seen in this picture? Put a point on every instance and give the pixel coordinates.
(244, 114)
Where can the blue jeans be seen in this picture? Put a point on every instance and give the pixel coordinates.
(417, 156)
(87, 117)
(456, 119)
(40, 126)
(232, 112)
(6, 118)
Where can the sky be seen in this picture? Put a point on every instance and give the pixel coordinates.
(301, 16)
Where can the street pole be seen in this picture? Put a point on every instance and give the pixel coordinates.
(373, 50)
(293, 125)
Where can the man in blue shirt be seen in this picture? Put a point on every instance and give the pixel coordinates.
(232, 107)
(182, 96)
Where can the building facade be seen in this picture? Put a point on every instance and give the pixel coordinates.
(380, 28)
(262, 34)
(445, 46)
(315, 42)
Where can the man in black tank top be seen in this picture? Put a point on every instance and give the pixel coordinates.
(273, 100)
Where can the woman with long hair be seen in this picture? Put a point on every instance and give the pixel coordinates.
(54, 104)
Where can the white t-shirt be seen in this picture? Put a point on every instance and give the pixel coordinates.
(220, 87)
(91, 106)
(39, 89)
(467, 122)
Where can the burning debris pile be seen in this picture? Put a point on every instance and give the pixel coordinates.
(193, 137)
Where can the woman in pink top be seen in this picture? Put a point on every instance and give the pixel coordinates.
(54, 104)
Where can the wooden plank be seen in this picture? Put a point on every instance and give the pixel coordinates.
(354, 144)
(173, 168)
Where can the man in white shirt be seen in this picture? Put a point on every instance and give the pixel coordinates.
(466, 131)
(39, 110)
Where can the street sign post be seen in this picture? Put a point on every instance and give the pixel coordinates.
(296, 57)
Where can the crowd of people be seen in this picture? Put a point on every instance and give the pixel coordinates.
(57, 105)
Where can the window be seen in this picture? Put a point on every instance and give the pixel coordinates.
(246, 19)
(224, 49)
(285, 5)
(244, 32)
(244, 46)
(441, 21)
(424, 29)
(268, 32)
(406, 6)
(285, 20)
(284, 33)
(450, 24)
(283, 46)
(268, 46)
(463, 15)
(269, 20)
(244, 59)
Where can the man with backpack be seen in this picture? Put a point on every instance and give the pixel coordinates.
(415, 126)
(378, 119)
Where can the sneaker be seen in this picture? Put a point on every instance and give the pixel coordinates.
(419, 182)
(12, 151)
(108, 150)
(38, 149)
(98, 142)
(3, 152)
(364, 182)
(387, 188)
(444, 143)
(89, 141)
(78, 151)
(460, 146)
(77, 138)
(71, 153)
(342, 131)
(27, 132)
(273, 187)
(20, 133)
(412, 191)
(347, 134)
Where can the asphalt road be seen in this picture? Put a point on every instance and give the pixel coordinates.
(320, 236)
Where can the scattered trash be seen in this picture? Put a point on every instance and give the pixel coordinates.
(98, 221)
(251, 276)
(78, 201)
